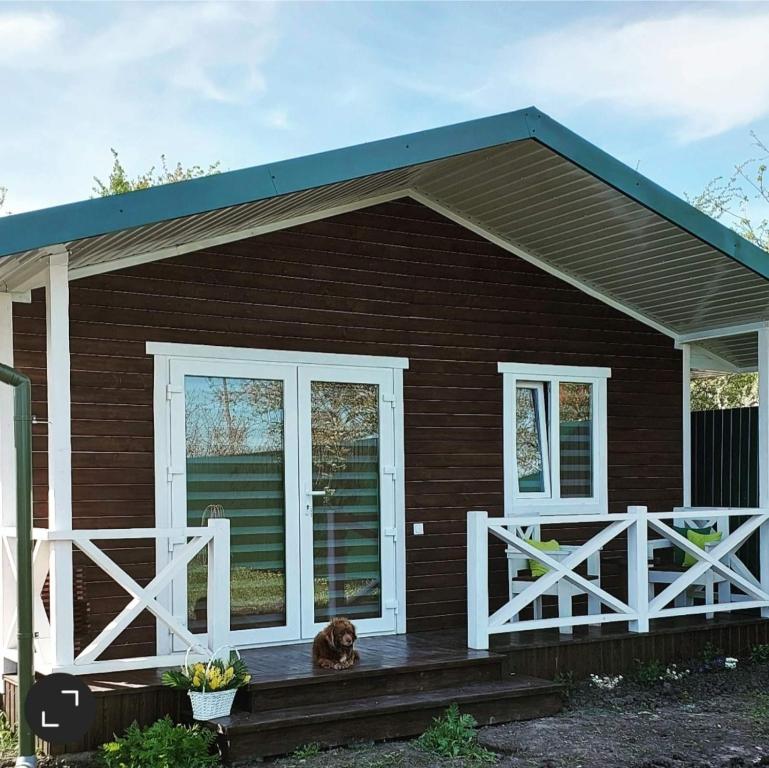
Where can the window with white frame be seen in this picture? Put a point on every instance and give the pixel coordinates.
(554, 438)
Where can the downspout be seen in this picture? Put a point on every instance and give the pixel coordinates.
(22, 401)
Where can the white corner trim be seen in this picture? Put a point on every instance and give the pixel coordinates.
(202, 351)
(535, 370)
(537, 262)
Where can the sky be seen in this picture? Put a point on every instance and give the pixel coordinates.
(673, 89)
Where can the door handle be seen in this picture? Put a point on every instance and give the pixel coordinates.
(310, 494)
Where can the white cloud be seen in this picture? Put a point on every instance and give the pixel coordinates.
(24, 34)
(146, 78)
(705, 70)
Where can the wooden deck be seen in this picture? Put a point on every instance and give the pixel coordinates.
(403, 681)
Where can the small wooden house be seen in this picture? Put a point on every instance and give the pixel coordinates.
(271, 396)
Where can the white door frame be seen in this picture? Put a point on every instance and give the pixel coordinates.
(165, 353)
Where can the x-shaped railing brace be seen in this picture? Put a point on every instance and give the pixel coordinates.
(707, 560)
(143, 598)
(559, 569)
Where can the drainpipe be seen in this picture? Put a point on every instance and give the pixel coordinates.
(22, 401)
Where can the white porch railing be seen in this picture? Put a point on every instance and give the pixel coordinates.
(215, 537)
(717, 570)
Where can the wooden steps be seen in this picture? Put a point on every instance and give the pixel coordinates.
(336, 708)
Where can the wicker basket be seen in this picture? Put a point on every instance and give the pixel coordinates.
(208, 705)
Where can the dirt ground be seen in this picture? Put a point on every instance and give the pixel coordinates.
(716, 719)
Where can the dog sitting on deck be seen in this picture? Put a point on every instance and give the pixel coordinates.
(334, 646)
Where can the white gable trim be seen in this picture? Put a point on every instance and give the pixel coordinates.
(211, 242)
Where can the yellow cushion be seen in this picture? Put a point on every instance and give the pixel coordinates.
(700, 539)
(539, 569)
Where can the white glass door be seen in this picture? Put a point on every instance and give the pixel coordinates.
(347, 497)
(233, 455)
(301, 460)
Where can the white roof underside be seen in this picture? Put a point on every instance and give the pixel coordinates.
(524, 196)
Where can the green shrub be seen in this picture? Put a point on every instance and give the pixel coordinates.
(711, 653)
(453, 735)
(760, 654)
(8, 739)
(160, 745)
(654, 671)
(306, 751)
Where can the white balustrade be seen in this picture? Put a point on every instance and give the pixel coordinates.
(724, 581)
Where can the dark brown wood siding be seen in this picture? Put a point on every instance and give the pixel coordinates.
(397, 279)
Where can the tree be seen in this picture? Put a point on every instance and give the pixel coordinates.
(741, 200)
(119, 181)
(732, 390)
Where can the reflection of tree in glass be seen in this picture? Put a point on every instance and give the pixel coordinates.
(231, 417)
(528, 446)
(342, 416)
(575, 401)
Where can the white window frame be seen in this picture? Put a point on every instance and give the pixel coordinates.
(528, 375)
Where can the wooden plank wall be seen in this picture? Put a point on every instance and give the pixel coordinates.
(397, 279)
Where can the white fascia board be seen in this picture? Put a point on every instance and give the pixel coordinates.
(239, 354)
(721, 333)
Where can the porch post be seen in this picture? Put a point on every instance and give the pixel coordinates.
(638, 568)
(478, 580)
(763, 455)
(59, 458)
(7, 482)
(686, 404)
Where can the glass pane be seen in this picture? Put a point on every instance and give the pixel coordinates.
(235, 469)
(576, 434)
(346, 519)
(531, 477)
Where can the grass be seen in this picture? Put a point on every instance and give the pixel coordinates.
(758, 712)
(760, 654)
(453, 735)
(306, 751)
(8, 741)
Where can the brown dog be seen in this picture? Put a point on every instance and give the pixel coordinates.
(334, 646)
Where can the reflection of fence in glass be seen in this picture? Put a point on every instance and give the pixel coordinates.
(346, 519)
(234, 445)
(576, 439)
(250, 489)
(346, 538)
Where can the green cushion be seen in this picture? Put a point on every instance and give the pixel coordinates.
(700, 539)
(539, 569)
(678, 553)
